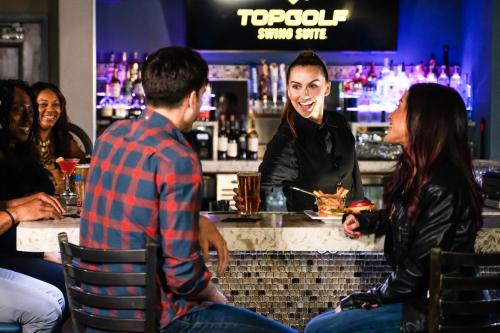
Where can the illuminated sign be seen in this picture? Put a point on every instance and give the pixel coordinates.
(292, 24)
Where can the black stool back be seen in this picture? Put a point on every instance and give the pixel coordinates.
(77, 297)
(441, 308)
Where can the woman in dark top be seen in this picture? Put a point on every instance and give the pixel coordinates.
(432, 200)
(52, 137)
(21, 175)
(313, 149)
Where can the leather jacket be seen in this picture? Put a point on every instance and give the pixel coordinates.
(445, 220)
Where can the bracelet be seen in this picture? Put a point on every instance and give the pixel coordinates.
(14, 222)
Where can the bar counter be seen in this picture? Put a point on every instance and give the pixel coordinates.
(285, 266)
(276, 231)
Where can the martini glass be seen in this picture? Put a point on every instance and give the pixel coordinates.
(68, 166)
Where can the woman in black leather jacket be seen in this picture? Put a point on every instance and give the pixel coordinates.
(313, 148)
(431, 201)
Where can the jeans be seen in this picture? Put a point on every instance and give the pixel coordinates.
(220, 318)
(384, 319)
(34, 304)
(39, 269)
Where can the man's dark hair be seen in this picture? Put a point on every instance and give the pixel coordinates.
(172, 73)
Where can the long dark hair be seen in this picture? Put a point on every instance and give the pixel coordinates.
(60, 131)
(437, 132)
(7, 88)
(305, 58)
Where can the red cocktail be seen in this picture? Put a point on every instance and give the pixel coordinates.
(67, 166)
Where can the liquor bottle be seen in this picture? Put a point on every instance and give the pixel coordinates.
(264, 83)
(106, 104)
(371, 84)
(274, 69)
(432, 66)
(122, 68)
(402, 81)
(116, 86)
(282, 83)
(431, 77)
(252, 139)
(466, 93)
(137, 88)
(443, 77)
(446, 61)
(222, 140)
(110, 67)
(254, 83)
(232, 140)
(455, 80)
(134, 66)
(418, 74)
(242, 141)
(128, 87)
(383, 85)
(138, 104)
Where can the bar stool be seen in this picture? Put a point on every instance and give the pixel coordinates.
(10, 328)
(443, 312)
(78, 298)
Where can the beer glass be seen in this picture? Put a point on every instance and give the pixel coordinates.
(249, 188)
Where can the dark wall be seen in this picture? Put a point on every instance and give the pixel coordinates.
(477, 60)
(424, 26)
(40, 8)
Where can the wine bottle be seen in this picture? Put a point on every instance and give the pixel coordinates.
(232, 140)
(252, 139)
(242, 141)
(222, 140)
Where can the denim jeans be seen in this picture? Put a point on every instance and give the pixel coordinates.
(220, 318)
(30, 302)
(384, 319)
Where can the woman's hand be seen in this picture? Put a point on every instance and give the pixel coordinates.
(238, 200)
(41, 196)
(210, 236)
(351, 224)
(42, 206)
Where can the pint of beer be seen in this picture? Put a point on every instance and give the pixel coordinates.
(249, 187)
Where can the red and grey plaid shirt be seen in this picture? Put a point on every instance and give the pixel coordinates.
(145, 184)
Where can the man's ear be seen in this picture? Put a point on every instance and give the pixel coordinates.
(191, 99)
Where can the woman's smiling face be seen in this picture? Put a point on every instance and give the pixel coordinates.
(307, 88)
(398, 131)
(49, 108)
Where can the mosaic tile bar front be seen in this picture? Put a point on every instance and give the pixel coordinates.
(293, 287)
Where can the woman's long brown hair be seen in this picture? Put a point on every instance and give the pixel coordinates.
(437, 132)
(305, 58)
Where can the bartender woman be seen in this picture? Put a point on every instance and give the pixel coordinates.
(312, 149)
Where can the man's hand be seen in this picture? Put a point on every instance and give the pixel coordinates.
(238, 200)
(211, 237)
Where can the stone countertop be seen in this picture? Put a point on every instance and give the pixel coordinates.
(235, 166)
(380, 167)
(274, 232)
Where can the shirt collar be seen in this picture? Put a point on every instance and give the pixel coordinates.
(308, 128)
(155, 120)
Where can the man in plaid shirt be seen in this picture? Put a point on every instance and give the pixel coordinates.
(145, 183)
